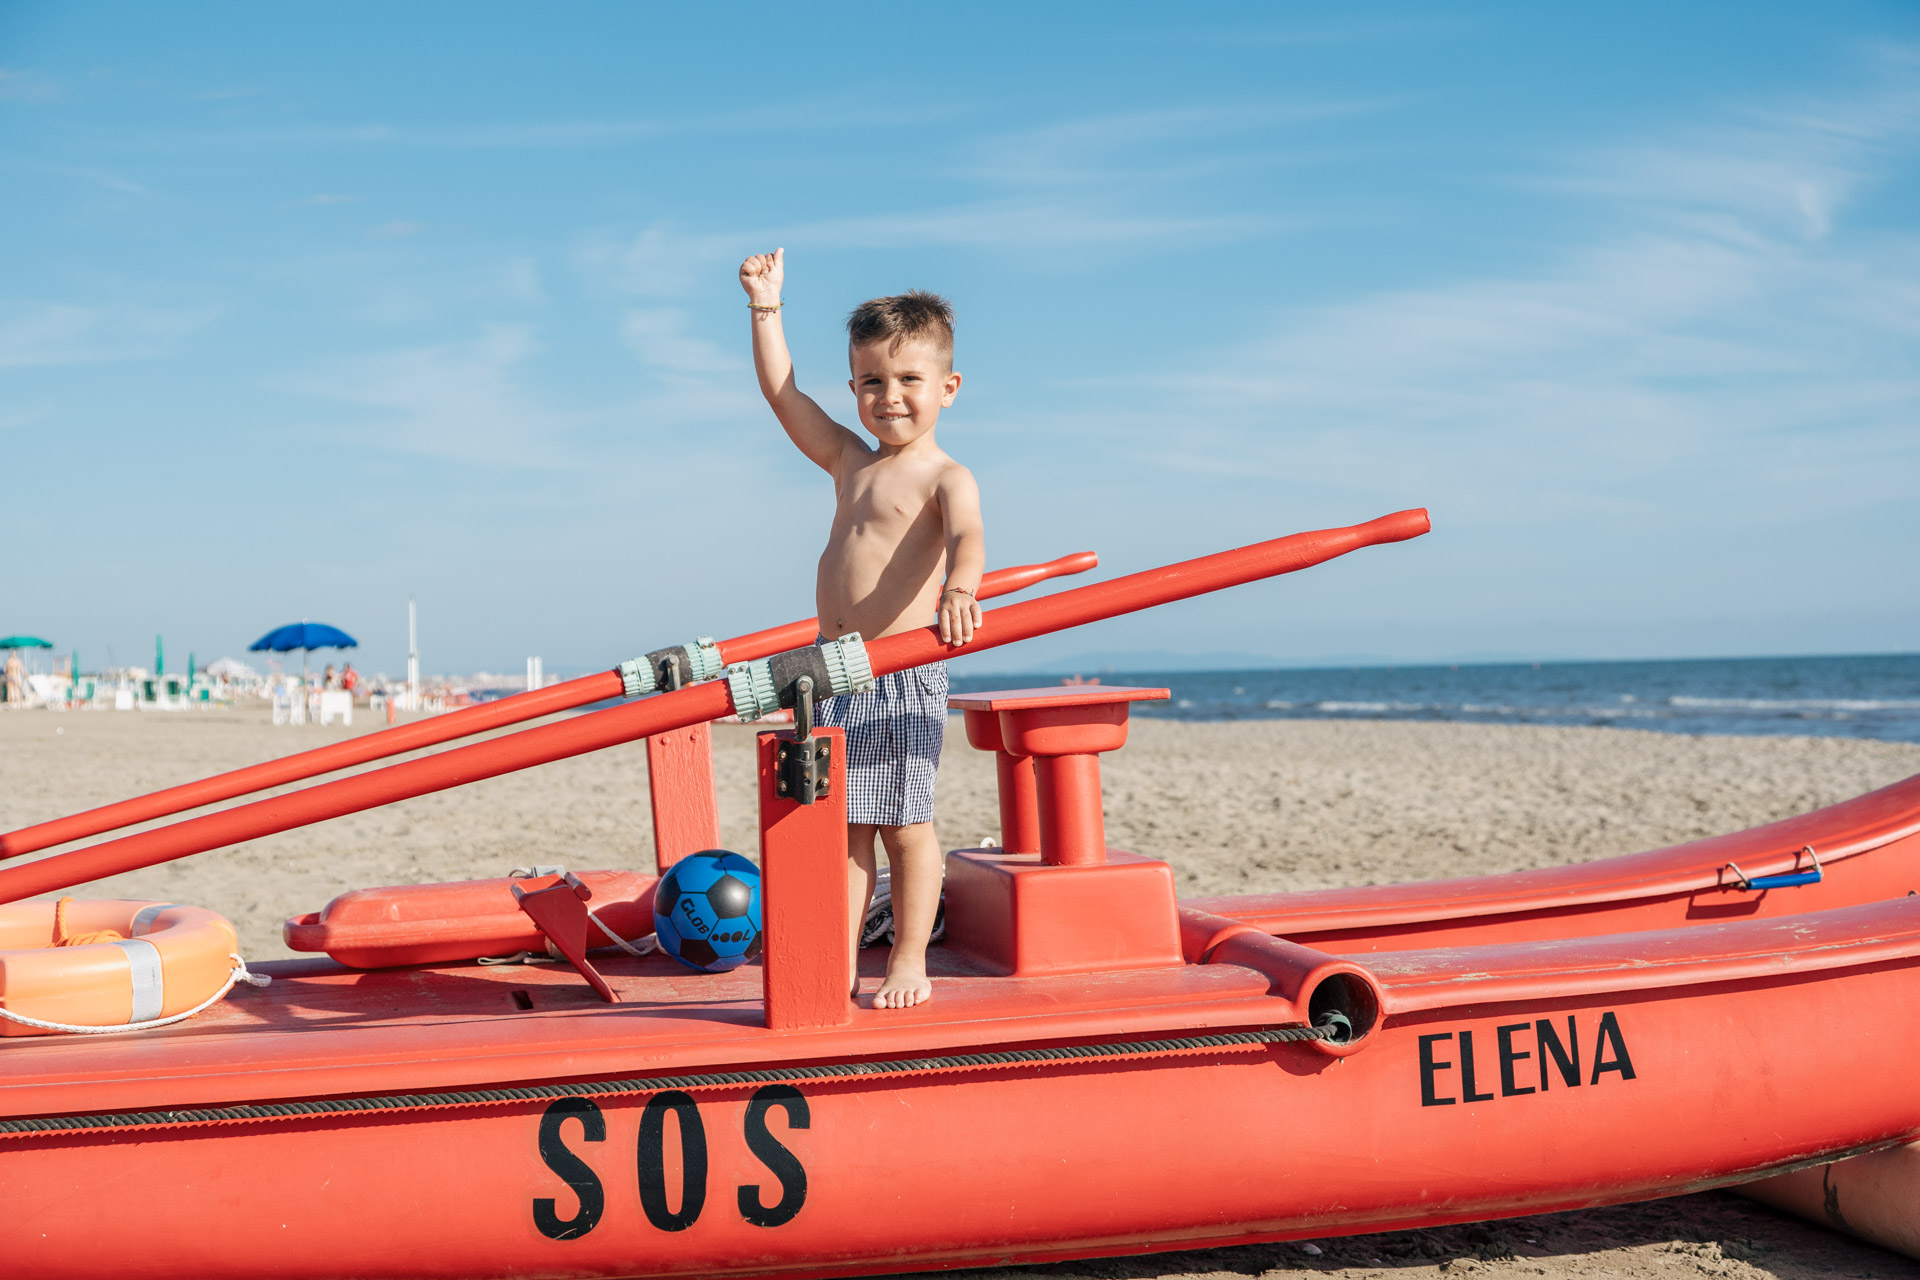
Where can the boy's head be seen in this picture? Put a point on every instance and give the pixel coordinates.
(913, 316)
(900, 351)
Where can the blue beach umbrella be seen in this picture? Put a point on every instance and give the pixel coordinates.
(306, 637)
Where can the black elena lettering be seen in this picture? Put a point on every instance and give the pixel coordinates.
(1610, 1035)
(572, 1169)
(1556, 1057)
(1566, 1057)
(1511, 1057)
(1429, 1066)
(780, 1162)
(1467, 1093)
(651, 1162)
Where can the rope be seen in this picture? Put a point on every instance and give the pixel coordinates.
(708, 1080)
(62, 938)
(652, 941)
(239, 974)
(649, 942)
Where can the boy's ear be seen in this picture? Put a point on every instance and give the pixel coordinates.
(952, 387)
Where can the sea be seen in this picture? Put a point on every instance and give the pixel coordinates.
(1874, 696)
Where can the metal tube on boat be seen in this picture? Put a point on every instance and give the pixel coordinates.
(639, 719)
(463, 723)
(1314, 983)
(1322, 989)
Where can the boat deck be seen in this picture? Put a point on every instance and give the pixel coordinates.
(319, 1026)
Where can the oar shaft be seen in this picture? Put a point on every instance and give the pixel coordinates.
(463, 723)
(597, 730)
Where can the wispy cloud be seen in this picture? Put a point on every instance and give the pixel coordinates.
(1050, 195)
(55, 333)
(463, 402)
(1157, 146)
(666, 260)
(659, 336)
(26, 86)
(11, 419)
(1727, 321)
(1309, 34)
(814, 115)
(321, 198)
(101, 177)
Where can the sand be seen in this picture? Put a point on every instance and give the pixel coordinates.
(1241, 807)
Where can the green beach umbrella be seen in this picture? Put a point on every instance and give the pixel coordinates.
(25, 642)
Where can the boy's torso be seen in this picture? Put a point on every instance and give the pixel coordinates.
(886, 555)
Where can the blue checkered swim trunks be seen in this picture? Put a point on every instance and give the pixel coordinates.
(894, 731)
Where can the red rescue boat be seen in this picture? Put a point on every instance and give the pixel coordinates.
(1103, 1070)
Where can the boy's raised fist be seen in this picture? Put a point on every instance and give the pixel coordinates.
(761, 276)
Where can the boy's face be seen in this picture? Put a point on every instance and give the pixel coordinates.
(900, 391)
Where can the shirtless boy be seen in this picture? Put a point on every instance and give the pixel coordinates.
(905, 549)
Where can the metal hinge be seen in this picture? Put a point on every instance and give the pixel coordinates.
(804, 769)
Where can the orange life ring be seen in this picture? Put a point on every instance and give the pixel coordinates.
(125, 965)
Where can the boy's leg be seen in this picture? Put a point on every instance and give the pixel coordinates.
(915, 863)
(861, 874)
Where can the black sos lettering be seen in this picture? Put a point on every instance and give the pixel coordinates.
(1515, 1044)
(651, 1163)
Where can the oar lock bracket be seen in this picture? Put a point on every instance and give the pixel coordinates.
(665, 670)
(796, 679)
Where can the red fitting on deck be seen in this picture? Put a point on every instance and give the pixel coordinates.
(1060, 734)
(1019, 801)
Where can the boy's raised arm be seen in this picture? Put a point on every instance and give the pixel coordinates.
(806, 423)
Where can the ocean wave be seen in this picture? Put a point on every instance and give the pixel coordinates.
(1374, 708)
(1794, 704)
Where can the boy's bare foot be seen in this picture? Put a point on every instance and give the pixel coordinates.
(906, 985)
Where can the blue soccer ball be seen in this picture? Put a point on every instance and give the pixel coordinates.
(706, 911)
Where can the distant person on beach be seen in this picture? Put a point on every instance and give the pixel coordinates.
(350, 679)
(329, 680)
(906, 548)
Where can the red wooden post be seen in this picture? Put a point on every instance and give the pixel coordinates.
(686, 810)
(806, 966)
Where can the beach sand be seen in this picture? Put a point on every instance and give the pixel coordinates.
(1236, 807)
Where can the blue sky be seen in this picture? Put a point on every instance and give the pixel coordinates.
(303, 311)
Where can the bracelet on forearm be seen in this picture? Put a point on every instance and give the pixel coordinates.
(961, 590)
(755, 306)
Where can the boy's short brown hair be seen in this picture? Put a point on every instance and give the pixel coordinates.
(913, 314)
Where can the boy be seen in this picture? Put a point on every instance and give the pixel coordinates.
(906, 546)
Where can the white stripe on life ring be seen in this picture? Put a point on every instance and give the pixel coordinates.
(149, 990)
(144, 918)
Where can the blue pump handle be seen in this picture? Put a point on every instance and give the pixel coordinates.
(1792, 880)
